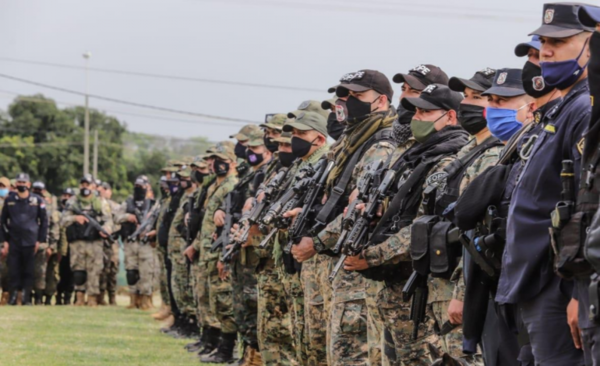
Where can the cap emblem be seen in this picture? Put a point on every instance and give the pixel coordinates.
(304, 104)
(501, 78)
(487, 71)
(352, 76)
(538, 83)
(340, 113)
(429, 89)
(422, 69)
(548, 16)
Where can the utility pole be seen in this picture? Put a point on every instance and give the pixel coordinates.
(96, 154)
(86, 137)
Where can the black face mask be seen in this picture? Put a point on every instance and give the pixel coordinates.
(197, 176)
(270, 144)
(533, 81)
(404, 115)
(22, 189)
(240, 151)
(253, 158)
(221, 168)
(471, 118)
(301, 148)
(358, 111)
(286, 158)
(86, 192)
(139, 193)
(334, 128)
(63, 202)
(184, 184)
(38, 192)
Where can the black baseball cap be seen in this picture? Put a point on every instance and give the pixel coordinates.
(522, 49)
(364, 80)
(420, 76)
(589, 15)
(22, 177)
(343, 80)
(481, 81)
(434, 96)
(561, 20)
(507, 83)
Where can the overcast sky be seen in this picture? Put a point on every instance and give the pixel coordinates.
(294, 49)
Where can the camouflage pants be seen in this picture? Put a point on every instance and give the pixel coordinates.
(294, 296)
(40, 265)
(374, 323)
(162, 275)
(274, 322)
(245, 296)
(108, 279)
(400, 348)
(181, 278)
(4, 274)
(205, 314)
(88, 256)
(140, 257)
(52, 276)
(317, 306)
(221, 300)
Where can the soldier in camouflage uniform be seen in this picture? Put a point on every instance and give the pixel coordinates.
(223, 160)
(108, 281)
(86, 250)
(65, 286)
(4, 189)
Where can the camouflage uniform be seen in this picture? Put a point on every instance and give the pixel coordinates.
(355, 337)
(88, 255)
(108, 280)
(3, 264)
(52, 273)
(161, 254)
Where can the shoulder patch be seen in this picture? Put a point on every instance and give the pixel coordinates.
(550, 128)
(437, 179)
(580, 145)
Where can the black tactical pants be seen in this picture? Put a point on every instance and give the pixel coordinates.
(20, 267)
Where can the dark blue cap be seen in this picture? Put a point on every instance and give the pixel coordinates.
(507, 83)
(589, 15)
(22, 177)
(561, 20)
(522, 49)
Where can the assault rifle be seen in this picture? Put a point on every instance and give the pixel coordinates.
(146, 224)
(93, 224)
(223, 239)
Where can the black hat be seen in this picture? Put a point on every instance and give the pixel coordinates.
(343, 80)
(589, 15)
(421, 76)
(561, 20)
(38, 185)
(522, 49)
(434, 96)
(87, 179)
(507, 83)
(69, 191)
(481, 81)
(364, 80)
(22, 177)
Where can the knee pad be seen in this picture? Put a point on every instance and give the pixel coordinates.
(133, 276)
(79, 277)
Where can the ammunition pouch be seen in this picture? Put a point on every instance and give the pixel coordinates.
(567, 247)
(420, 242)
(79, 278)
(445, 251)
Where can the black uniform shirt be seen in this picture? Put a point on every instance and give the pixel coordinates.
(24, 221)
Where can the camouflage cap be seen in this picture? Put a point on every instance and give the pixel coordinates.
(244, 133)
(171, 169)
(211, 148)
(285, 138)
(185, 172)
(275, 122)
(199, 162)
(306, 121)
(256, 138)
(309, 106)
(224, 151)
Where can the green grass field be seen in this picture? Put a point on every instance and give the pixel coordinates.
(67, 335)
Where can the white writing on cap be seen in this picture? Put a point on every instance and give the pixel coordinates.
(429, 88)
(422, 69)
(487, 71)
(353, 75)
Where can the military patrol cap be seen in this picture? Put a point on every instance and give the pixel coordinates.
(522, 49)
(38, 185)
(589, 15)
(224, 151)
(22, 177)
(244, 133)
(5, 182)
(481, 81)
(285, 138)
(561, 20)
(306, 121)
(309, 106)
(422, 75)
(364, 80)
(274, 121)
(256, 138)
(507, 83)
(70, 191)
(434, 96)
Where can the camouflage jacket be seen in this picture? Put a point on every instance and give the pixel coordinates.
(95, 203)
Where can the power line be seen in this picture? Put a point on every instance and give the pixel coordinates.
(162, 76)
(135, 104)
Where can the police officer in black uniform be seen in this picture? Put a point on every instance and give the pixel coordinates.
(24, 227)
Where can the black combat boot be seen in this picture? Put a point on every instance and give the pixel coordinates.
(58, 298)
(13, 298)
(192, 330)
(39, 298)
(67, 298)
(176, 327)
(48, 300)
(211, 341)
(224, 353)
(27, 297)
(196, 346)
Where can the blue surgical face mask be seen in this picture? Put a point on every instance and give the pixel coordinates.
(3, 192)
(503, 122)
(563, 74)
